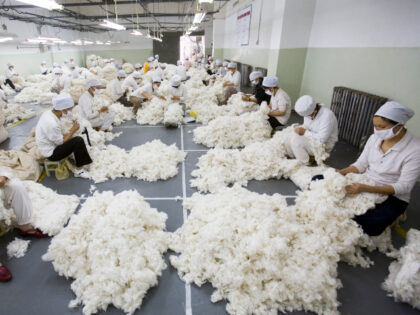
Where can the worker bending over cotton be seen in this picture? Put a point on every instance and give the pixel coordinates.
(187, 63)
(280, 103)
(155, 62)
(146, 93)
(118, 93)
(391, 158)
(96, 70)
(61, 81)
(86, 101)
(53, 145)
(132, 81)
(178, 89)
(16, 197)
(258, 95)
(232, 81)
(319, 123)
(43, 68)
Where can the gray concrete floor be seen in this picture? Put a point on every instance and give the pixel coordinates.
(37, 289)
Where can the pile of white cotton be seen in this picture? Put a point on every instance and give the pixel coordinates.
(174, 115)
(128, 68)
(17, 248)
(113, 248)
(14, 112)
(151, 113)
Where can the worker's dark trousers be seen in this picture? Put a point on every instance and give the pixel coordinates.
(10, 83)
(274, 122)
(123, 100)
(75, 145)
(376, 220)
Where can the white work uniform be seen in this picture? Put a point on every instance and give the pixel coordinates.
(43, 69)
(75, 74)
(147, 88)
(97, 70)
(281, 101)
(158, 73)
(16, 197)
(10, 73)
(182, 72)
(180, 91)
(129, 82)
(116, 89)
(65, 81)
(187, 64)
(234, 78)
(399, 166)
(221, 71)
(324, 128)
(48, 133)
(96, 120)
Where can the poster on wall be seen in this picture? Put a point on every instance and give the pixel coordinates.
(243, 23)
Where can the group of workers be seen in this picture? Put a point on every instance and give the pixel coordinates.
(391, 156)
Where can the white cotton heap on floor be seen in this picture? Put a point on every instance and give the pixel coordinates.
(17, 248)
(264, 256)
(122, 113)
(151, 113)
(37, 90)
(113, 248)
(77, 88)
(403, 281)
(128, 68)
(235, 131)
(174, 115)
(109, 72)
(14, 112)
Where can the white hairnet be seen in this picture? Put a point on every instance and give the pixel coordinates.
(232, 65)
(156, 79)
(137, 65)
(58, 71)
(218, 62)
(121, 74)
(255, 75)
(225, 63)
(72, 65)
(270, 82)
(163, 65)
(55, 64)
(43, 62)
(305, 105)
(93, 82)
(150, 59)
(156, 56)
(395, 111)
(136, 75)
(9, 64)
(176, 80)
(62, 101)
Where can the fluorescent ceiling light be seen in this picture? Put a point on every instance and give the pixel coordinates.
(205, 1)
(54, 39)
(35, 41)
(112, 25)
(5, 39)
(87, 42)
(136, 33)
(98, 42)
(198, 17)
(77, 42)
(60, 42)
(46, 4)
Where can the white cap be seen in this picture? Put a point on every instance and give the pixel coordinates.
(179, 63)
(136, 75)
(232, 65)
(62, 101)
(305, 105)
(43, 62)
(395, 111)
(138, 65)
(156, 79)
(121, 74)
(270, 82)
(72, 65)
(255, 75)
(93, 82)
(9, 64)
(150, 59)
(55, 64)
(156, 56)
(163, 65)
(225, 63)
(218, 62)
(176, 80)
(58, 71)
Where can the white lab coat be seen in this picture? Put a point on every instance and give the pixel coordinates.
(147, 88)
(116, 89)
(180, 91)
(281, 101)
(324, 127)
(75, 74)
(159, 73)
(85, 104)
(48, 133)
(182, 72)
(130, 82)
(10, 73)
(234, 78)
(43, 69)
(65, 81)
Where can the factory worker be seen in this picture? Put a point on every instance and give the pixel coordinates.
(155, 62)
(160, 70)
(231, 81)
(117, 92)
(319, 123)
(187, 63)
(61, 82)
(43, 68)
(132, 81)
(16, 197)
(258, 95)
(83, 73)
(11, 75)
(96, 70)
(181, 70)
(55, 66)
(148, 64)
(64, 81)
(53, 145)
(280, 103)
(149, 90)
(72, 60)
(391, 158)
(74, 73)
(138, 67)
(178, 89)
(86, 102)
(66, 64)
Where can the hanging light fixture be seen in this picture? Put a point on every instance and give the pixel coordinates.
(5, 39)
(112, 25)
(46, 4)
(136, 33)
(198, 17)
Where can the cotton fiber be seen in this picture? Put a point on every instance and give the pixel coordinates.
(151, 113)
(174, 115)
(113, 249)
(128, 68)
(17, 248)
(14, 112)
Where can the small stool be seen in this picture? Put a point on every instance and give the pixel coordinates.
(50, 166)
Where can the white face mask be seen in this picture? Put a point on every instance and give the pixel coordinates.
(255, 82)
(96, 92)
(387, 134)
(268, 92)
(67, 115)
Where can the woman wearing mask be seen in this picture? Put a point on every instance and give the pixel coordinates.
(259, 95)
(391, 158)
(231, 81)
(280, 104)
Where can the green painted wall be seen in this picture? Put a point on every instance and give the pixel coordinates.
(390, 72)
(256, 57)
(218, 53)
(129, 55)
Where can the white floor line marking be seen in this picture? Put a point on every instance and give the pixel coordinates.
(147, 198)
(196, 150)
(188, 310)
(140, 126)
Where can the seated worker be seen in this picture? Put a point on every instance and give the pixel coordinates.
(61, 81)
(181, 70)
(53, 145)
(86, 102)
(43, 68)
(259, 95)
(231, 81)
(11, 76)
(178, 89)
(119, 94)
(391, 158)
(280, 103)
(133, 81)
(319, 122)
(147, 91)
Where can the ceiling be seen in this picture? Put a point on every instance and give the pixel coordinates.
(85, 15)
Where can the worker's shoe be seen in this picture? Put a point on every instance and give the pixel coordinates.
(33, 233)
(81, 173)
(5, 274)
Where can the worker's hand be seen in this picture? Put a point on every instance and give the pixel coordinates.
(163, 98)
(3, 181)
(225, 84)
(75, 127)
(149, 98)
(354, 189)
(103, 109)
(300, 130)
(245, 98)
(176, 98)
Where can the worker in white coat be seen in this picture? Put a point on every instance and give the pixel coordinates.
(43, 68)
(132, 81)
(159, 70)
(280, 103)
(11, 76)
(319, 123)
(138, 67)
(53, 145)
(74, 73)
(231, 81)
(181, 70)
(259, 95)
(117, 92)
(96, 70)
(178, 89)
(146, 92)
(187, 63)
(101, 119)
(61, 82)
(16, 197)
(391, 158)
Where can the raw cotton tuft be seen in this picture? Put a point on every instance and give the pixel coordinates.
(17, 248)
